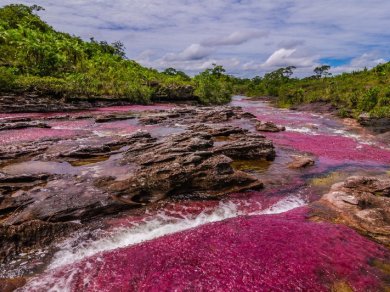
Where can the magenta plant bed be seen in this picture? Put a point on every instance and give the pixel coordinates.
(33, 134)
(284, 252)
(338, 148)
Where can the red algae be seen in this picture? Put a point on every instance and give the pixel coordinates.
(33, 134)
(281, 252)
(69, 124)
(343, 149)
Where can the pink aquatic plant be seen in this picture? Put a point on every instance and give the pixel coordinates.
(284, 252)
(33, 134)
(338, 148)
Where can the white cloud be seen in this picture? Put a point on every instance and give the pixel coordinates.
(192, 52)
(286, 57)
(367, 60)
(235, 38)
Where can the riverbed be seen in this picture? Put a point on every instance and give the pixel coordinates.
(252, 240)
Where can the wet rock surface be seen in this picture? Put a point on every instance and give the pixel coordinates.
(49, 183)
(22, 103)
(301, 162)
(268, 127)
(22, 125)
(362, 203)
(34, 234)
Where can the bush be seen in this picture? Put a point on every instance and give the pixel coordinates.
(43, 85)
(368, 100)
(212, 88)
(7, 79)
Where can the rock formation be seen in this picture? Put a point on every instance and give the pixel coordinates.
(195, 162)
(362, 203)
(269, 127)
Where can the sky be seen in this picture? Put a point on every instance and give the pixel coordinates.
(247, 37)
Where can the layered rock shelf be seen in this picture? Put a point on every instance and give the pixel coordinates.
(52, 182)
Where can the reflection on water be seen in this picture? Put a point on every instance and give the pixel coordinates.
(36, 167)
(258, 166)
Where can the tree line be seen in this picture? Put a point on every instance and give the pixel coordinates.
(36, 58)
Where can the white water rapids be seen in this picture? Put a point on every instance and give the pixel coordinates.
(157, 226)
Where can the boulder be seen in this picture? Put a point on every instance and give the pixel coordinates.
(362, 203)
(268, 127)
(301, 162)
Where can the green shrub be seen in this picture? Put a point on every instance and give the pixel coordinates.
(43, 85)
(368, 100)
(7, 79)
(212, 88)
(54, 63)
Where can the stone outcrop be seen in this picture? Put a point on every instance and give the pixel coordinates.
(378, 125)
(362, 203)
(268, 127)
(192, 163)
(21, 103)
(301, 162)
(22, 125)
(16, 239)
(195, 115)
(111, 118)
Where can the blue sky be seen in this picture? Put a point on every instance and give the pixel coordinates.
(248, 37)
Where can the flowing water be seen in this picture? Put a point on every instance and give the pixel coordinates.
(266, 242)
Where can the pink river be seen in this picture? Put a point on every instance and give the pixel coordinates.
(255, 241)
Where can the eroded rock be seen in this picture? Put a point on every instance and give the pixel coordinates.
(112, 117)
(190, 163)
(301, 162)
(195, 162)
(22, 125)
(269, 127)
(378, 125)
(359, 202)
(34, 234)
(195, 115)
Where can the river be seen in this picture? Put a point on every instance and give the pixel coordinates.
(258, 240)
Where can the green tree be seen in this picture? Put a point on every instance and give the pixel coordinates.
(322, 71)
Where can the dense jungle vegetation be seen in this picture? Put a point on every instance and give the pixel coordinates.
(366, 91)
(36, 58)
